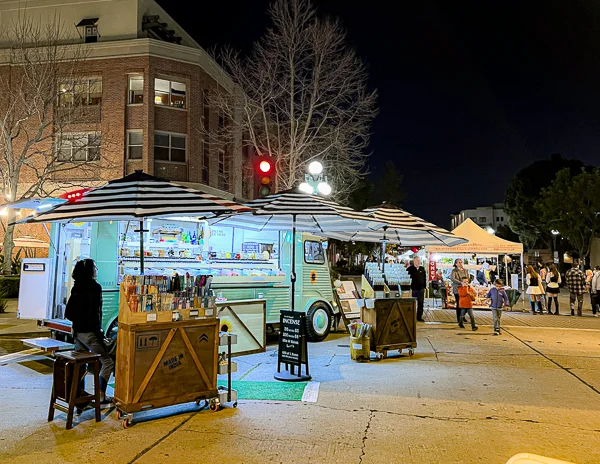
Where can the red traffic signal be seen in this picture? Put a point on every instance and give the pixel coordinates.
(264, 176)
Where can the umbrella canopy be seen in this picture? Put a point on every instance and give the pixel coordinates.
(304, 212)
(135, 197)
(299, 212)
(30, 242)
(401, 228)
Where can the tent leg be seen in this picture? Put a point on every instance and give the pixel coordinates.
(523, 279)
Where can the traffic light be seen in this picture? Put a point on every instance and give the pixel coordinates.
(264, 176)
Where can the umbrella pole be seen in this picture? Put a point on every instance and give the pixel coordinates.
(383, 248)
(142, 247)
(293, 276)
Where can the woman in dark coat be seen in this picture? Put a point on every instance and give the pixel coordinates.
(84, 310)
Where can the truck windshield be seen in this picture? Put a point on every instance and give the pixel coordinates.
(313, 252)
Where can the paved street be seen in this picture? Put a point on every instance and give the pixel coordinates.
(463, 397)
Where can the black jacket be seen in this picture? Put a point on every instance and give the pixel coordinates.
(84, 308)
(418, 277)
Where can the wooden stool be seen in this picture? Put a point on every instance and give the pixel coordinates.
(67, 385)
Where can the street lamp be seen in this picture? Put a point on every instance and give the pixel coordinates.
(315, 182)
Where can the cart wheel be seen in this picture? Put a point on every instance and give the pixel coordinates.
(214, 405)
(400, 351)
(235, 404)
(378, 356)
(411, 352)
(119, 414)
(127, 422)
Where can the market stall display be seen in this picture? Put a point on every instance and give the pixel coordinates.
(167, 349)
(481, 247)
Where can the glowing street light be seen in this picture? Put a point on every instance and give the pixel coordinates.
(315, 168)
(315, 182)
(555, 232)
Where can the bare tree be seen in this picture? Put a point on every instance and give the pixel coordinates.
(302, 95)
(49, 124)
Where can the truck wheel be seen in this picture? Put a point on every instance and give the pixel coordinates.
(318, 322)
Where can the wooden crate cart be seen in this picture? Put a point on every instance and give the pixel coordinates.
(161, 362)
(394, 322)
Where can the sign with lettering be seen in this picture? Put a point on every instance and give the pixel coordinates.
(432, 269)
(173, 363)
(292, 331)
(250, 247)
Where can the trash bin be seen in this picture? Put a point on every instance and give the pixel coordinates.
(360, 349)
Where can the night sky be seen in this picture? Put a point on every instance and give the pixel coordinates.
(469, 92)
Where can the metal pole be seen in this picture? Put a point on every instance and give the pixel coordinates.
(293, 276)
(383, 248)
(142, 247)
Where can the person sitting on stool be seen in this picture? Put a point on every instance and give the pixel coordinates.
(84, 310)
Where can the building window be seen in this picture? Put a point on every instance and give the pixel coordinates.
(205, 162)
(135, 145)
(497, 218)
(223, 184)
(169, 93)
(501, 218)
(82, 92)
(136, 89)
(169, 147)
(482, 220)
(78, 148)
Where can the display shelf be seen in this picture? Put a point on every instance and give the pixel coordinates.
(160, 245)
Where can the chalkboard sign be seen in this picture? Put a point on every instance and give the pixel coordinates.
(293, 347)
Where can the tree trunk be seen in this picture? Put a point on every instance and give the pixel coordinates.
(8, 245)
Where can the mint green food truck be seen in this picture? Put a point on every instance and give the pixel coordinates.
(245, 265)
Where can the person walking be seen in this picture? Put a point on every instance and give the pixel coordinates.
(467, 296)
(595, 291)
(456, 277)
(575, 279)
(498, 301)
(553, 282)
(534, 289)
(84, 310)
(589, 275)
(418, 283)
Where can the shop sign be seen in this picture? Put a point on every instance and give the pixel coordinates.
(292, 340)
(250, 247)
(432, 269)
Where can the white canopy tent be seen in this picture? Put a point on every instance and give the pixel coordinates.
(479, 241)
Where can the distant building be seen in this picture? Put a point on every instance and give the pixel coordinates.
(484, 216)
(143, 92)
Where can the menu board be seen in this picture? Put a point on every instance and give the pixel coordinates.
(250, 247)
(292, 339)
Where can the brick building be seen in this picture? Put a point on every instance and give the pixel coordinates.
(142, 94)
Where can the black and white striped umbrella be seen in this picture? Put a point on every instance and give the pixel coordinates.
(401, 228)
(302, 212)
(139, 196)
(299, 212)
